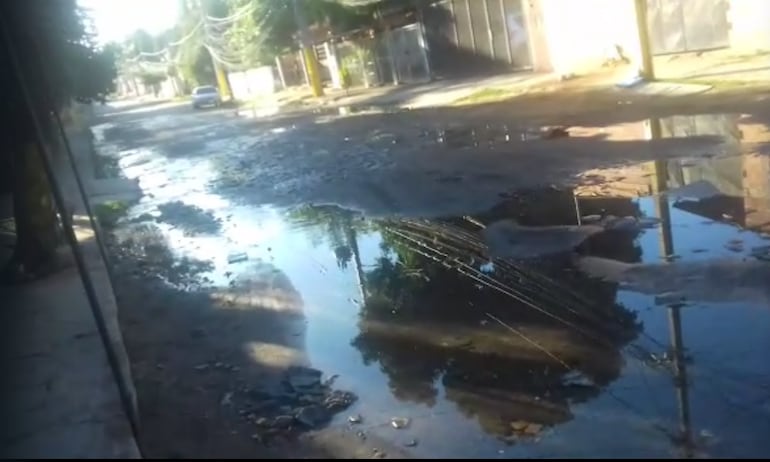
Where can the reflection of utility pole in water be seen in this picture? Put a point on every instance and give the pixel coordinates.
(352, 238)
(659, 186)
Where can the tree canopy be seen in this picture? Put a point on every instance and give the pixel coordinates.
(239, 34)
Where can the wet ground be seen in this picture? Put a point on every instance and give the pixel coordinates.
(421, 284)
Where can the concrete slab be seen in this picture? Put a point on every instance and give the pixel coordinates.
(59, 395)
(669, 88)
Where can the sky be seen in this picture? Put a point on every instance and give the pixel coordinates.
(117, 19)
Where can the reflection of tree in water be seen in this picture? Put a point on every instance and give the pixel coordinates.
(338, 227)
(503, 339)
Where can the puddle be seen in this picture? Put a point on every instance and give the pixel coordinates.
(627, 315)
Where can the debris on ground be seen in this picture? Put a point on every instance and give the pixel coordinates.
(299, 401)
(411, 443)
(521, 427)
(227, 399)
(551, 133)
(355, 419)
(237, 257)
(399, 422)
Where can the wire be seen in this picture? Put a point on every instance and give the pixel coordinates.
(186, 37)
(248, 9)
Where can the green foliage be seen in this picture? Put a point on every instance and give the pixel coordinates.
(109, 213)
(54, 41)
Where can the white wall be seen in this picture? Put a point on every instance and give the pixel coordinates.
(750, 25)
(253, 82)
(581, 35)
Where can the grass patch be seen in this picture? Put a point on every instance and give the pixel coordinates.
(722, 84)
(108, 213)
(486, 95)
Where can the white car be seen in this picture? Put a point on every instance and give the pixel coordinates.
(206, 95)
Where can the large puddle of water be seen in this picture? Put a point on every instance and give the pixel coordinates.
(627, 316)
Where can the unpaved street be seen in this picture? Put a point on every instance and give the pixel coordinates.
(446, 282)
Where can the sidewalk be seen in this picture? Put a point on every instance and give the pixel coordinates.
(59, 395)
(438, 92)
(414, 96)
(715, 66)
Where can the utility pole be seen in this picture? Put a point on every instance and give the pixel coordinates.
(222, 83)
(648, 68)
(308, 54)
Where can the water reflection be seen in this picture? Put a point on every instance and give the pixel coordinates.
(723, 280)
(535, 343)
(659, 348)
(504, 341)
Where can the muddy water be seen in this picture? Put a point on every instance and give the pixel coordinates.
(635, 324)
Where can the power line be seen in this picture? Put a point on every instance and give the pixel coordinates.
(248, 9)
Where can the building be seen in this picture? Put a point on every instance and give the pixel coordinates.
(571, 37)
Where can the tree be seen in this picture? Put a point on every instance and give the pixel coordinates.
(56, 61)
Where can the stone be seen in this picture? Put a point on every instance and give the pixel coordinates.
(339, 400)
(411, 443)
(355, 419)
(533, 429)
(262, 422)
(519, 425)
(399, 423)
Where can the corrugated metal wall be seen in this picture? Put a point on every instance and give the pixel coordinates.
(477, 36)
(678, 26)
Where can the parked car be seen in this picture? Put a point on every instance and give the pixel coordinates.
(206, 95)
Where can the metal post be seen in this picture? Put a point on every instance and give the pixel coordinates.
(279, 65)
(648, 68)
(507, 32)
(659, 186)
(393, 63)
(424, 47)
(660, 178)
(680, 379)
(489, 28)
(470, 26)
(454, 21)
